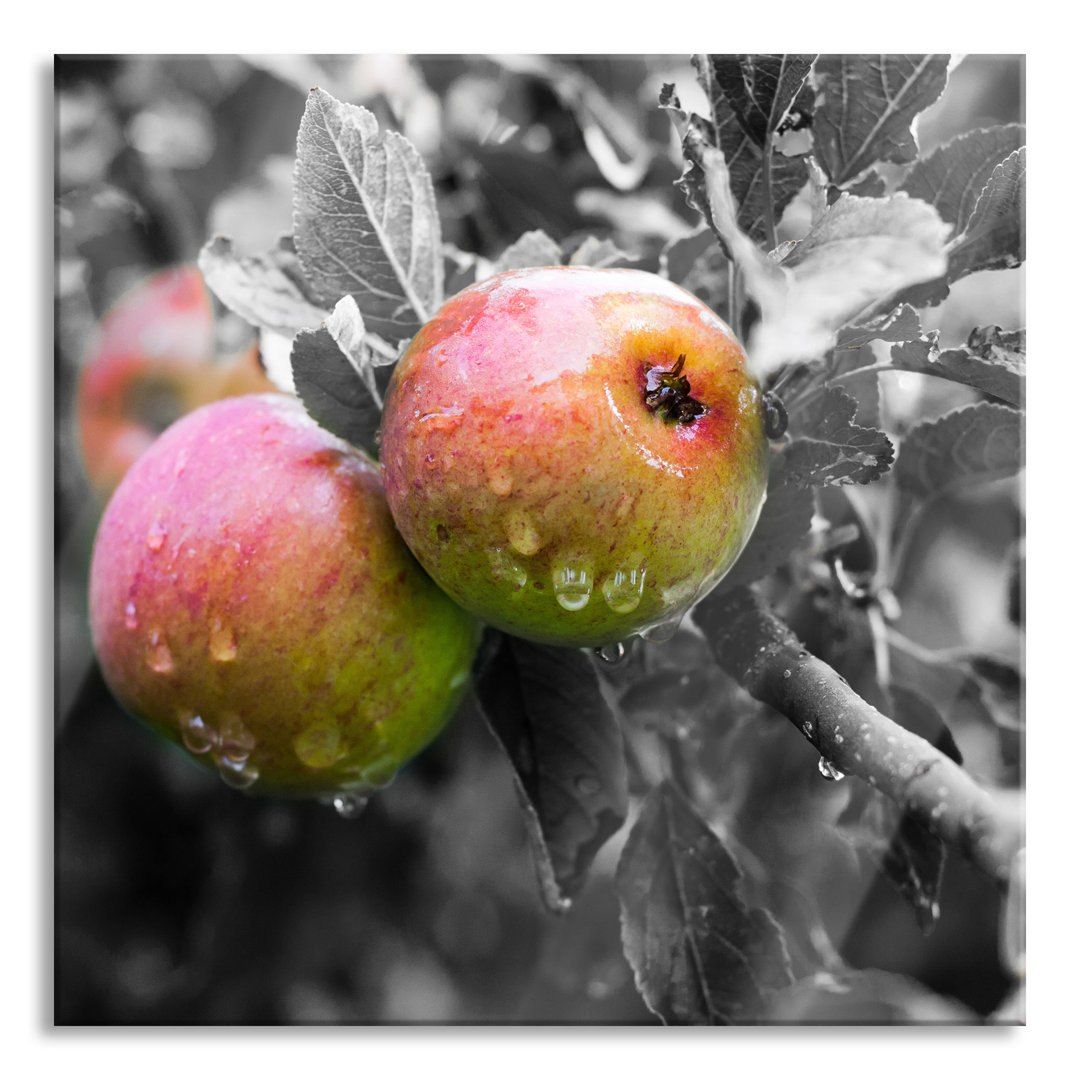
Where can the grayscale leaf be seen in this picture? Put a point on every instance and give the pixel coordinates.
(365, 218)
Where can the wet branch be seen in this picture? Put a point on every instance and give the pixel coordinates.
(764, 656)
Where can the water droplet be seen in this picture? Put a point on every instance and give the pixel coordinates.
(158, 656)
(498, 477)
(236, 741)
(573, 586)
(522, 533)
(349, 806)
(662, 631)
(624, 506)
(828, 770)
(787, 673)
(381, 771)
(459, 679)
(181, 463)
(318, 746)
(623, 589)
(155, 536)
(131, 620)
(197, 735)
(680, 594)
(587, 785)
(613, 653)
(504, 568)
(237, 774)
(222, 641)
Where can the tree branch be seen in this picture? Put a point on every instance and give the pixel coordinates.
(762, 654)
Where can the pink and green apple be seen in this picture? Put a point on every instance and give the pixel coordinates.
(153, 360)
(575, 455)
(251, 600)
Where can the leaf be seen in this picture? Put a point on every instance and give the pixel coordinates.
(533, 248)
(827, 448)
(918, 715)
(268, 290)
(972, 444)
(864, 997)
(952, 178)
(677, 257)
(866, 107)
(745, 161)
(365, 217)
(337, 389)
(546, 708)
(900, 324)
(850, 367)
(993, 238)
(599, 253)
(780, 530)
(699, 954)
(859, 251)
(760, 89)
(991, 362)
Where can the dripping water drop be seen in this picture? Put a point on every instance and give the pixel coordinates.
(828, 770)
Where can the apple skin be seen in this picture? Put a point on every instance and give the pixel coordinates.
(529, 477)
(151, 362)
(251, 600)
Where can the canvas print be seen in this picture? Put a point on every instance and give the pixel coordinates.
(539, 540)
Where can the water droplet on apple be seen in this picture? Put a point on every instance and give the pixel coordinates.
(662, 631)
(680, 594)
(459, 679)
(318, 746)
(573, 586)
(237, 774)
(236, 741)
(131, 620)
(222, 641)
(828, 770)
(155, 536)
(349, 806)
(613, 653)
(622, 590)
(522, 533)
(504, 568)
(181, 463)
(197, 735)
(381, 771)
(158, 656)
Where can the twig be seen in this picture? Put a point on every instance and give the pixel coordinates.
(768, 661)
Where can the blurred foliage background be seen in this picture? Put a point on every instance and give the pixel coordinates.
(179, 901)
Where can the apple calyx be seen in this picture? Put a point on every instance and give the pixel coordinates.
(667, 392)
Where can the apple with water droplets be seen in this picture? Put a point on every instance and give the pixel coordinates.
(251, 600)
(575, 455)
(153, 360)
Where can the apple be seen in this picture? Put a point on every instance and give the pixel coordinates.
(575, 455)
(251, 600)
(151, 362)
